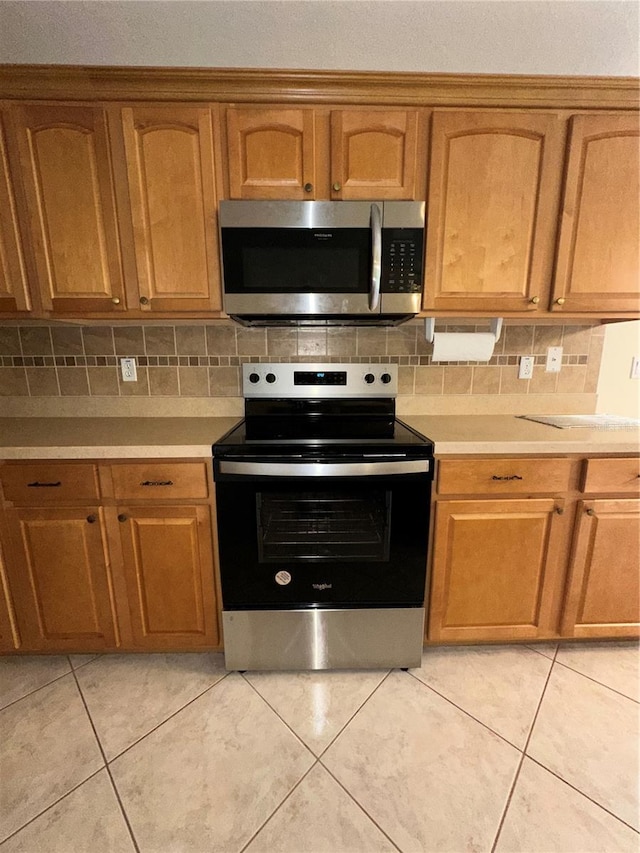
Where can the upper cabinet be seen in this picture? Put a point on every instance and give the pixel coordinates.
(66, 170)
(170, 175)
(313, 153)
(14, 294)
(494, 191)
(598, 261)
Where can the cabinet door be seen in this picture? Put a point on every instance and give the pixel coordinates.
(373, 154)
(604, 584)
(171, 184)
(66, 169)
(598, 256)
(14, 295)
(271, 152)
(60, 579)
(9, 638)
(492, 210)
(168, 567)
(496, 570)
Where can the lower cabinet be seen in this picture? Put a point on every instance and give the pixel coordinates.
(9, 637)
(108, 575)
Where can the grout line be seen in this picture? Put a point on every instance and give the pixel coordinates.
(582, 794)
(49, 807)
(522, 757)
(600, 683)
(106, 766)
(278, 807)
(37, 689)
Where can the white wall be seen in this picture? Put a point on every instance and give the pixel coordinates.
(618, 394)
(598, 37)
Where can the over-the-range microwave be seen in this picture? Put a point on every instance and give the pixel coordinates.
(322, 262)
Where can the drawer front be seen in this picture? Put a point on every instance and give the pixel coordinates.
(160, 481)
(612, 475)
(45, 483)
(503, 476)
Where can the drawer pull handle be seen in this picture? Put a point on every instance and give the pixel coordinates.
(157, 483)
(91, 519)
(511, 477)
(38, 485)
(122, 517)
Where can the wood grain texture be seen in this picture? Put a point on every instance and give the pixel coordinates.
(599, 244)
(612, 475)
(603, 595)
(14, 291)
(9, 636)
(36, 483)
(504, 476)
(160, 481)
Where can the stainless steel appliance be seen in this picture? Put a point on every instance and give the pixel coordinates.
(322, 262)
(323, 500)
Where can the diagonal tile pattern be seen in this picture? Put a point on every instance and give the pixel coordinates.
(481, 748)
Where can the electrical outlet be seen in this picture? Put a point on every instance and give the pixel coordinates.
(129, 370)
(526, 367)
(554, 359)
(635, 367)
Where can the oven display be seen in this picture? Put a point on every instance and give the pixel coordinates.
(319, 377)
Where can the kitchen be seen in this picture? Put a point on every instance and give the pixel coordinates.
(54, 369)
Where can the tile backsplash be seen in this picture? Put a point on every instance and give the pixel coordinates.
(205, 360)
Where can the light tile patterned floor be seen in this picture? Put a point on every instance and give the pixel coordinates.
(505, 748)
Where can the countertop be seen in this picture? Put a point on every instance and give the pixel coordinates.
(130, 438)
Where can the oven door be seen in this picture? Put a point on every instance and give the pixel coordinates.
(323, 534)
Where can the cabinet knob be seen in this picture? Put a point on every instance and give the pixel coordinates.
(122, 517)
(591, 511)
(91, 519)
(336, 187)
(559, 510)
(144, 300)
(560, 301)
(308, 188)
(534, 300)
(116, 300)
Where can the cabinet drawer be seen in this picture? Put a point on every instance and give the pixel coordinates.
(503, 476)
(45, 483)
(160, 481)
(612, 475)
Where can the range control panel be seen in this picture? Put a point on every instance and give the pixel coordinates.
(308, 381)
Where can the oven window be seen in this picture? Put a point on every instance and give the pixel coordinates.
(328, 526)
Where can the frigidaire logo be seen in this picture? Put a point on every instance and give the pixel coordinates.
(322, 585)
(322, 234)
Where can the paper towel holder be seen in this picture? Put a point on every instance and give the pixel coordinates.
(495, 326)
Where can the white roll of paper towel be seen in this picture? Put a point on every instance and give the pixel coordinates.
(463, 346)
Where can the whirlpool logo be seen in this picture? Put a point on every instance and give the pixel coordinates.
(322, 586)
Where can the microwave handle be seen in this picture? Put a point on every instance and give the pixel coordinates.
(376, 257)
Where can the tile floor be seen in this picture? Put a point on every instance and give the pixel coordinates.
(510, 748)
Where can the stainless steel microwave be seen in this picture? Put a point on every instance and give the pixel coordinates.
(322, 262)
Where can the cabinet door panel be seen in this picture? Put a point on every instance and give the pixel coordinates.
(598, 249)
(60, 579)
(604, 587)
(9, 637)
(493, 199)
(271, 152)
(169, 575)
(373, 154)
(66, 168)
(495, 569)
(14, 295)
(170, 168)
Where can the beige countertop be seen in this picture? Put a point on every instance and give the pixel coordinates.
(129, 438)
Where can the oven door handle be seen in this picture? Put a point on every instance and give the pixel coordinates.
(376, 257)
(325, 469)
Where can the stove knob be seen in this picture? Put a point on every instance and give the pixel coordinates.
(386, 378)
(271, 378)
(369, 378)
(253, 378)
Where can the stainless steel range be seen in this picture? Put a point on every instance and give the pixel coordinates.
(323, 500)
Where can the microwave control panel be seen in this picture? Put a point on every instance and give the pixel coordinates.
(402, 251)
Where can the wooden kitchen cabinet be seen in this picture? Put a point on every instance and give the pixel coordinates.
(60, 578)
(494, 193)
(598, 247)
(65, 165)
(171, 189)
(497, 568)
(309, 153)
(9, 637)
(14, 291)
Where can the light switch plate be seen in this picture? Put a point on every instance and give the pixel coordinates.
(526, 367)
(554, 359)
(129, 370)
